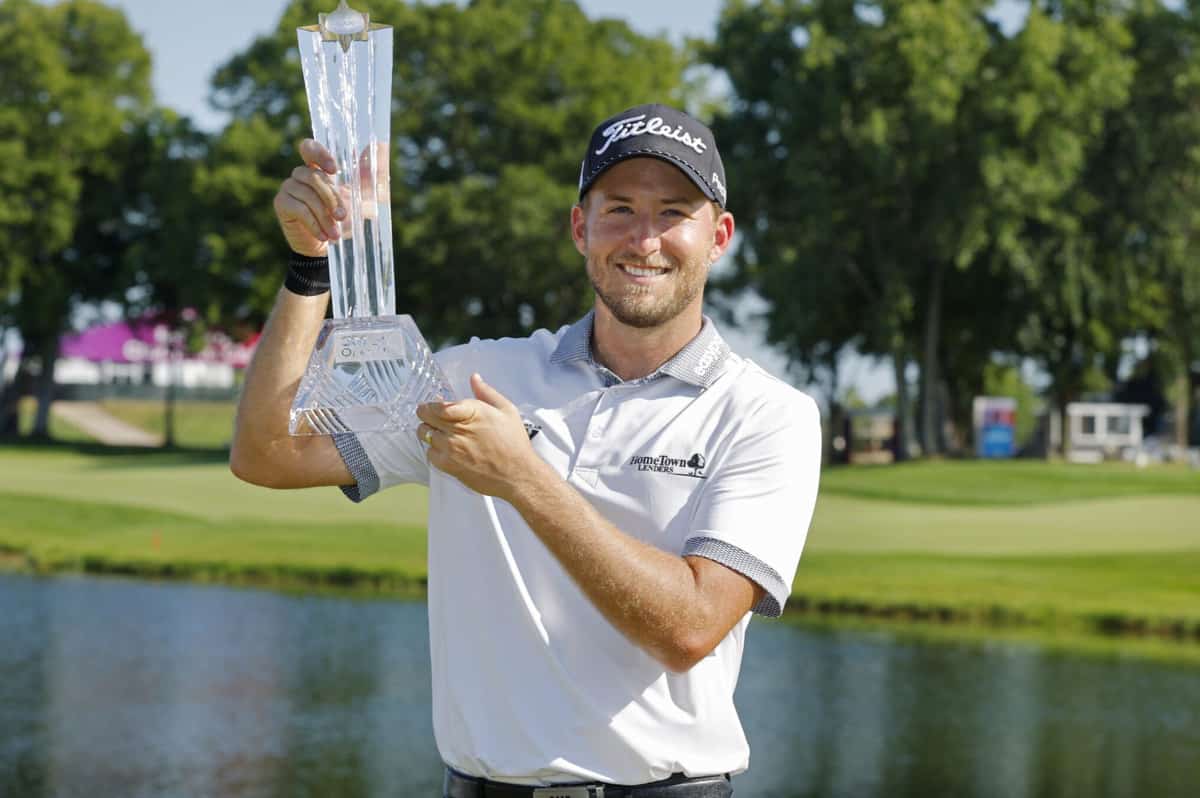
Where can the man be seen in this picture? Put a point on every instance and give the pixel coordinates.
(607, 505)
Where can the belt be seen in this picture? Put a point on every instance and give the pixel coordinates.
(458, 785)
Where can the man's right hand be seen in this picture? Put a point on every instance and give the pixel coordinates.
(308, 204)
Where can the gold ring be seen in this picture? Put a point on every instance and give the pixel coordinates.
(429, 437)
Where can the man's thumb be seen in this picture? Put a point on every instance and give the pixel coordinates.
(488, 394)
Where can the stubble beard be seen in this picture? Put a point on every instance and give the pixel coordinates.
(636, 305)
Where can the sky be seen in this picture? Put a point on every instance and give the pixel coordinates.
(187, 47)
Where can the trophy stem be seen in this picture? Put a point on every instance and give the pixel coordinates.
(347, 75)
(370, 369)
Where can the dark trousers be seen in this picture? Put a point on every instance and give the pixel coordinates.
(458, 785)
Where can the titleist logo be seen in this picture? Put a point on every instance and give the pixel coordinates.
(635, 126)
(716, 181)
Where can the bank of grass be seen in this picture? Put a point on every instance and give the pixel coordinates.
(1120, 593)
(1075, 563)
(95, 537)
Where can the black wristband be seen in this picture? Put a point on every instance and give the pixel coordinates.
(307, 276)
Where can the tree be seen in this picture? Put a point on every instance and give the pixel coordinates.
(907, 159)
(493, 102)
(847, 127)
(75, 77)
(1152, 175)
(1061, 78)
(167, 264)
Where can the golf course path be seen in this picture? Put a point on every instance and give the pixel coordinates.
(104, 427)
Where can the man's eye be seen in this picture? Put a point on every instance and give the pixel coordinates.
(620, 209)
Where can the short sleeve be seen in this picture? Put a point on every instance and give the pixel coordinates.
(754, 513)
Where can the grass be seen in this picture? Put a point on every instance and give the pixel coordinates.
(110, 538)
(1087, 553)
(1132, 524)
(1011, 482)
(59, 430)
(199, 425)
(1100, 592)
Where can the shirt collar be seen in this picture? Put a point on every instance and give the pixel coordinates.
(699, 363)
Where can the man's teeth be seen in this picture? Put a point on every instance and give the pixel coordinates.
(636, 272)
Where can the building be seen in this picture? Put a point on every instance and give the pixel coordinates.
(1098, 431)
(141, 358)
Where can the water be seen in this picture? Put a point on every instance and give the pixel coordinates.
(122, 688)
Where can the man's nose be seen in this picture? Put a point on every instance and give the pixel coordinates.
(645, 238)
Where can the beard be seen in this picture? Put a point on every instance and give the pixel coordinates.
(645, 306)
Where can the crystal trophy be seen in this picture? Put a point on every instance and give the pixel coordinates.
(370, 368)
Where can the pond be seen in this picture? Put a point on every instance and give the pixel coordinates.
(113, 687)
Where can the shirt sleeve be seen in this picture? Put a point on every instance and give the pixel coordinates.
(754, 513)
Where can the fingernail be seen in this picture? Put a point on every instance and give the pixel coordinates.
(339, 212)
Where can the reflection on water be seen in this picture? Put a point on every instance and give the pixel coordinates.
(121, 688)
(857, 715)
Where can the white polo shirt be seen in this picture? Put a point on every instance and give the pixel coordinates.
(708, 456)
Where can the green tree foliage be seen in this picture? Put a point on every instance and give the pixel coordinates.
(916, 179)
(846, 130)
(1148, 177)
(1051, 181)
(493, 102)
(73, 78)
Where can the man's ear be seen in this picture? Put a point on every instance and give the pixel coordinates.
(722, 236)
(579, 228)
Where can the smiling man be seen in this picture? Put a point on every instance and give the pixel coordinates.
(607, 510)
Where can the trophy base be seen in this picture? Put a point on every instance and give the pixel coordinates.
(366, 374)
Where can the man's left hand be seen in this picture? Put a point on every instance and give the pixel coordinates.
(482, 442)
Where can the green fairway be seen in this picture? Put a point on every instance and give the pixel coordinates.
(197, 485)
(1006, 482)
(1134, 524)
(1091, 549)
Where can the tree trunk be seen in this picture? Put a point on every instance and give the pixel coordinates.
(8, 401)
(930, 374)
(1063, 399)
(169, 402)
(1183, 408)
(21, 385)
(829, 453)
(45, 387)
(903, 434)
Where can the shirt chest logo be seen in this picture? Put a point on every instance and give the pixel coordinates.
(665, 464)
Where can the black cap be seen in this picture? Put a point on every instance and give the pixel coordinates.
(656, 131)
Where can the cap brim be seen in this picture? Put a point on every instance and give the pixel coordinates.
(666, 157)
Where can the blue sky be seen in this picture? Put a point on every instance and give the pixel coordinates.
(188, 42)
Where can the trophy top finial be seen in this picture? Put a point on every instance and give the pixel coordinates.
(344, 21)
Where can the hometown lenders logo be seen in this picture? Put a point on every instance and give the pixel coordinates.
(663, 464)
